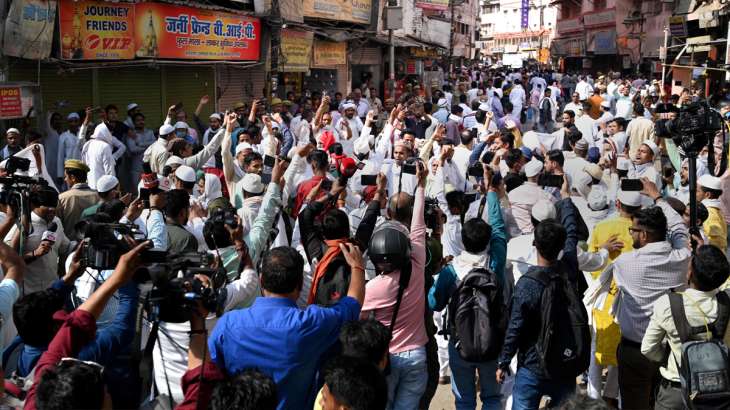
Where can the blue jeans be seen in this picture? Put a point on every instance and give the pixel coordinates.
(463, 375)
(529, 389)
(407, 379)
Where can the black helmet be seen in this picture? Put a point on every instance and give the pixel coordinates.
(390, 247)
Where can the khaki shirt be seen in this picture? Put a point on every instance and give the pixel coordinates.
(662, 329)
(72, 203)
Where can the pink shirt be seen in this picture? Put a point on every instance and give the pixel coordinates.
(380, 293)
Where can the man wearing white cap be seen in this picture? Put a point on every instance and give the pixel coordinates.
(615, 230)
(68, 140)
(606, 115)
(185, 179)
(175, 117)
(350, 118)
(97, 154)
(156, 154)
(526, 195)
(132, 110)
(108, 189)
(442, 113)
(709, 189)
(14, 144)
(643, 166)
(252, 190)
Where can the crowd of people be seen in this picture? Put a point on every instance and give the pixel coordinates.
(521, 235)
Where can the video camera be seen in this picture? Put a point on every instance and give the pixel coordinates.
(16, 188)
(175, 289)
(692, 128)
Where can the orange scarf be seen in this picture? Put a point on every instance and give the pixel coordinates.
(333, 249)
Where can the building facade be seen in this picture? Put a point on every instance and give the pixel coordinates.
(513, 30)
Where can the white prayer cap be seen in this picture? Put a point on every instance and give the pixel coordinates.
(242, 147)
(605, 104)
(12, 130)
(216, 116)
(73, 116)
(442, 102)
(597, 199)
(542, 210)
(174, 160)
(252, 183)
(132, 106)
(710, 182)
(185, 173)
(166, 129)
(630, 198)
(348, 106)
(652, 146)
(181, 125)
(533, 168)
(484, 107)
(106, 183)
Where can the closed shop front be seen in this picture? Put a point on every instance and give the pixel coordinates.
(239, 84)
(141, 85)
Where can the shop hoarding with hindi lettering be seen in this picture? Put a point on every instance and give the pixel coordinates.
(96, 30)
(169, 31)
(354, 11)
(440, 5)
(329, 53)
(296, 50)
(10, 103)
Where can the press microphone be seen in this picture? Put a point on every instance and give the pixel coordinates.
(50, 233)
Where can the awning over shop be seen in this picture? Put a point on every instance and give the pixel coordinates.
(400, 41)
(568, 47)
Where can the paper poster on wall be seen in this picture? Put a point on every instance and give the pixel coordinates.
(296, 51)
(10, 103)
(96, 30)
(170, 31)
(29, 29)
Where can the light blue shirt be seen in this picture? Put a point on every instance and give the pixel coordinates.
(156, 231)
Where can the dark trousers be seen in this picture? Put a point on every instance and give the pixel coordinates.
(637, 376)
(669, 396)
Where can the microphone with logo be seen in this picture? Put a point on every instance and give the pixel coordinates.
(50, 234)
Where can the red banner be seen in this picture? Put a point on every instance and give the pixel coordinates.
(169, 31)
(10, 104)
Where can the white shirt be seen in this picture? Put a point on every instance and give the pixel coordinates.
(588, 127)
(583, 89)
(576, 108)
(97, 154)
(472, 95)
(624, 107)
(554, 93)
(517, 98)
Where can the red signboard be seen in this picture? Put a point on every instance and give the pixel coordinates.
(10, 105)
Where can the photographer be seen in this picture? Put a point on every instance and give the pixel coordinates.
(408, 377)
(45, 240)
(61, 380)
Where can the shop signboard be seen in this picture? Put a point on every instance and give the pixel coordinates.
(10, 103)
(570, 25)
(600, 18)
(525, 14)
(439, 5)
(170, 31)
(354, 11)
(29, 29)
(678, 26)
(604, 42)
(96, 30)
(296, 51)
(418, 52)
(329, 53)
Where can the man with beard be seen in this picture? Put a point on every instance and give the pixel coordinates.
(14, 144)
(353, 121)
(658, 262)
(643, 165)
(137, 143)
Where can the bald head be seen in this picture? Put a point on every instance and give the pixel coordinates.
(400, 208)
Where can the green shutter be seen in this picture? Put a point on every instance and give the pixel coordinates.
(141, 85)
(187, 84)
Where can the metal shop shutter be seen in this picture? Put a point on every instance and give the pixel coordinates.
(187, 84)
(141, 85)
(366, 56)
(237, 84)
(73, 88)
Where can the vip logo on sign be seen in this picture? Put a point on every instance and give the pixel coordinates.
(110, 43)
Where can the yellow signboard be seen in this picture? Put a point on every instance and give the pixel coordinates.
(356, 11)
(329, 53)
(296, 50)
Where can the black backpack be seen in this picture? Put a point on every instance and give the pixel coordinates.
(564, 340)
(704, 369)
(476, 316)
